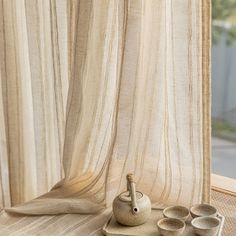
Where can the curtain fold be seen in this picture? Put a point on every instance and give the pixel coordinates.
(34, 84)
(135, 102)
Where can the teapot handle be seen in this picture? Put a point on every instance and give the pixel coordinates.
(132, 192)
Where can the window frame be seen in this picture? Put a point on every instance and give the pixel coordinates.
(223, 184)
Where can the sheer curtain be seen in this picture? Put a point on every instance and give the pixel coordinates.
(34, 86)
(138, 101)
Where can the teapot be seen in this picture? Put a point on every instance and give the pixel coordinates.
(131, 207)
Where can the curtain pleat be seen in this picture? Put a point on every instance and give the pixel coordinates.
(134, 103)
(34, 85)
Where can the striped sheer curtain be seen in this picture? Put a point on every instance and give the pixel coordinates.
(91, 90)
(34, 87)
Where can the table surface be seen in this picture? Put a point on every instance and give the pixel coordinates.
(90, 225)
(224, 199)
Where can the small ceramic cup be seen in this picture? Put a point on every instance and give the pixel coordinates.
(176, 212)
(170, 227)
(205, 226)
(200, 210)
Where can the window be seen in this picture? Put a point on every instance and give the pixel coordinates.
(224, 88)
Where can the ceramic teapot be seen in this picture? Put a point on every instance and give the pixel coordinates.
(131, 207)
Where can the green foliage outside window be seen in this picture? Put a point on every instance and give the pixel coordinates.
(223, 11)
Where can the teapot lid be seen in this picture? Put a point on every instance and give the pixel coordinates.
(125, 196)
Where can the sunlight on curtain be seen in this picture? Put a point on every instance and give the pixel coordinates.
(135, 102)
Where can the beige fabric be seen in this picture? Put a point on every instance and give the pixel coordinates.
(84, 225)
(56, 225)
(135, 102)
(34, 84)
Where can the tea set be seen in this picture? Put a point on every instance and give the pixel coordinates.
(133, 208)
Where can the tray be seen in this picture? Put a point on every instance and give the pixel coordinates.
(112, 228)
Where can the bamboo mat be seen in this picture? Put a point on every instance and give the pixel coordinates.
(226, 204)
(84, 225)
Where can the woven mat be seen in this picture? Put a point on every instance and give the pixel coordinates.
(226, 204)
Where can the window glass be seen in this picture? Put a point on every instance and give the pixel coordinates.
(224, 87)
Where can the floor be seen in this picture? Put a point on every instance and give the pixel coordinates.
(224, 157)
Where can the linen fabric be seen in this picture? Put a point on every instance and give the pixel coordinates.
(77, 224)
(34, 87)
(103, 88)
